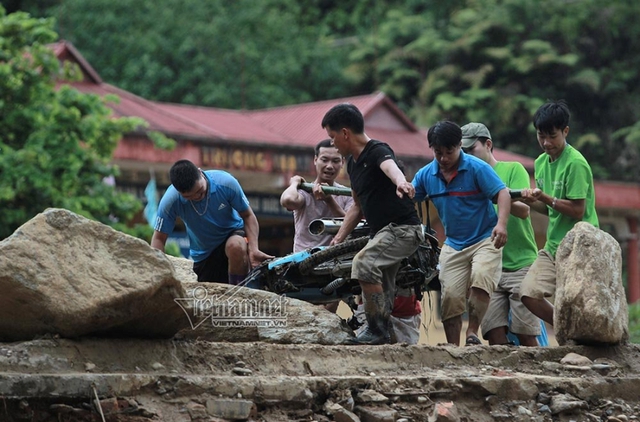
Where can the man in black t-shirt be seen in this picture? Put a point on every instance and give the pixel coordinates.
(382, 193)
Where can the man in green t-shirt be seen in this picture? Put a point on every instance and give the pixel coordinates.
(564, 192)
(517, 255)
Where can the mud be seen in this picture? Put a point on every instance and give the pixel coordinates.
(173, 380)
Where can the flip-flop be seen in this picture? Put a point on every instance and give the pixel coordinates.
(472, 340)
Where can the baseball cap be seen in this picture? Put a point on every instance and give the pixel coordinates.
(471, 132)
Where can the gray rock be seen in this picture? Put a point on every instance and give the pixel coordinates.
(562, 403)
(230, 408)
(576, 359)
(222, 312)
(591, 305)
(371, 396)
(376, 414)
(339, 413)
(63, 274)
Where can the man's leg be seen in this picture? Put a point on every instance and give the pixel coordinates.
(527, 340)
(497, 336)
(455, 272)
(524, 324)
(495, 324)
(377, 313)
(452, 329)
(238, 256)
(540, 308)
(214, 267)
(478, 304)
(375, 267)
(540, 282)
(486, 271)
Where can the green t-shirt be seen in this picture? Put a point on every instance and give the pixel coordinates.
(569, 177)
(521, 249)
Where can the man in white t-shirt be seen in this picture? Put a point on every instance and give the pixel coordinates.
(307, 207)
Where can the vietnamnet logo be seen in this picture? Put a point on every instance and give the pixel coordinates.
(230, 309)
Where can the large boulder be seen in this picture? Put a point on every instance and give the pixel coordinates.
(63, 274)
(590, 304)
(222, 312)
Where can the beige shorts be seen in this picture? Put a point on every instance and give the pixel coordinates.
(479, 266)
(507, 297)
(540, 281)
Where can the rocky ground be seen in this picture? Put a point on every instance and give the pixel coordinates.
(190, 380)
(78, 287)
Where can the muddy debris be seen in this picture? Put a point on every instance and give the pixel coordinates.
(46, 380)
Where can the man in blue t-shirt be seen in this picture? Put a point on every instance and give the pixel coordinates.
(222, 228)
(463, 189)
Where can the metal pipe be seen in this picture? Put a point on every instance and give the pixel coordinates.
(329, 226)
(328, 190)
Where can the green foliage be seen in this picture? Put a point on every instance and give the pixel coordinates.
(56, 144)
(497, 60)
(634, 323)
(161, 141)
(173, 249)
(238, 54)
(489, 60)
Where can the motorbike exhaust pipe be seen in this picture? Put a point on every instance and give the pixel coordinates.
(329, 226)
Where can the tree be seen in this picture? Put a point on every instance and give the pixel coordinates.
(56, 144)
(493, 61)
(228, 54)
(497, 61)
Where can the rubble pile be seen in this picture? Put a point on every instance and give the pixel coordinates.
(97, 326)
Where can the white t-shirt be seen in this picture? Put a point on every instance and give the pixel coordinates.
(313, 210)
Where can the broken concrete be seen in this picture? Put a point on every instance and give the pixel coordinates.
(197, 379)
(191, 378)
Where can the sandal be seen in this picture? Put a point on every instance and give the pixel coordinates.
(473, 340)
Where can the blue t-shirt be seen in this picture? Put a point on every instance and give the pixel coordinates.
(206, 232)
(464, 205)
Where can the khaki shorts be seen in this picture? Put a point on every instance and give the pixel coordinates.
(540, 281)
(479, 266)
(507, 297)
(379, 261)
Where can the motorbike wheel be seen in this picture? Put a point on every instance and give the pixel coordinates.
(349, 247)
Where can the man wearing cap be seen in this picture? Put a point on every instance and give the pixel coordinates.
(463, 189)
(517, 255)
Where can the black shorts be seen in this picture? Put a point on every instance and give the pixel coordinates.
(215, 267)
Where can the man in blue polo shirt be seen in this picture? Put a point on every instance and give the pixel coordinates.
(222, 228)
(463, 189)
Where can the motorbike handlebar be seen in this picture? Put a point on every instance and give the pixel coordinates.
(515, 193)
(333, 190)
(328, 190)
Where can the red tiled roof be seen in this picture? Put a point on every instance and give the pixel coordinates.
(302, 122)
(228, 124)
(131, 105)
(294, 126)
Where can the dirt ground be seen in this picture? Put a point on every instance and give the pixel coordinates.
(170, 380)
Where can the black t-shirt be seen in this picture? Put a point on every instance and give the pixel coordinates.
(376, 192)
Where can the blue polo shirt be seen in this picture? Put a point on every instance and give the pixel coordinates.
(464, 205)
(206, 232)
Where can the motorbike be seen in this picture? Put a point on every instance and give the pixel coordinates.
(322, 274)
